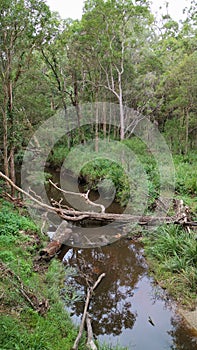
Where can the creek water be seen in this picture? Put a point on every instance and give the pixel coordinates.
(128, 308)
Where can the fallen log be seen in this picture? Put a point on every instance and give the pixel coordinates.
(61, 235)
(74, 215)
(50, 250)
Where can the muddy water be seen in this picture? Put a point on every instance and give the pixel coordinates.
(127, 308)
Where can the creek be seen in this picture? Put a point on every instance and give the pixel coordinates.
(128, 308)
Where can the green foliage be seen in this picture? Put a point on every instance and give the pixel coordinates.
(11, 223)
(186, 170)
(172, 253)
(149, 166)
(21, 327)
(58, 155)
(111, 172)
(54, 332)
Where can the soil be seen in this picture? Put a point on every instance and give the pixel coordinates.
(190, 317)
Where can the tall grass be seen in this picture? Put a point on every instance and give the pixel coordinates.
(172, 252)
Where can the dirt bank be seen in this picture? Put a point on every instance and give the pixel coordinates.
(190, 317)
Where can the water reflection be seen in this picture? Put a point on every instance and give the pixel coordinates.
(126, 301)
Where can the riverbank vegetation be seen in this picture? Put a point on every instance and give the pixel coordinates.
(171, 253)
(119, 54)
(33, 314)
(42, 322)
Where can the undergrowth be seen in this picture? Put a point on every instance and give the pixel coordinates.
(172, 254)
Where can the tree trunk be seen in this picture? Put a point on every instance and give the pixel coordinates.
(186, 130)
(121, 108)
(96, 131)
(104, 122)
(12, 170)
(5, 141)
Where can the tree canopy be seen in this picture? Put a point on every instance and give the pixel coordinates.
(117, 52)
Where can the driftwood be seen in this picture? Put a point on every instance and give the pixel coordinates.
(90, 341)
(61, 235)
(74, 215)
(50, 250)
(84, 316)
(82, 195)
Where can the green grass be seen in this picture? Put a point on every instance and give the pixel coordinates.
(172, 254)
(186, 180)
(21, 326)
(58, 155)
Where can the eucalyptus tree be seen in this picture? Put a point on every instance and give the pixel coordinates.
(181, 103)
(175, 47)
(64, 69)
(111, 31)
(23, 29)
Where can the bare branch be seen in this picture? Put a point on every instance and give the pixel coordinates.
(88, 297)
(82, 195)
(74, 215)
(90, 342)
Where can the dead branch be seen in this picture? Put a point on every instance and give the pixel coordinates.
(45, 219)
(90, 341)
(82, 195)
(88, 297)
(182, 214)
(59, 204)
(74, 215)
(35, 194)
(46, 206)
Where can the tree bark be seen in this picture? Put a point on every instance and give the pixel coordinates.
(12, 169)
(5, 141)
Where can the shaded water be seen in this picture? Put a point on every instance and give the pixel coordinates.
(127, 308)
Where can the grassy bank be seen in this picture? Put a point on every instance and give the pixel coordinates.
(22, 326)
(103, 173)
(40, 323)
(171, 252)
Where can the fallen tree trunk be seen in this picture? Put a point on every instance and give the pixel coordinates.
(50, 250)
(62, 234)
(74, 215)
